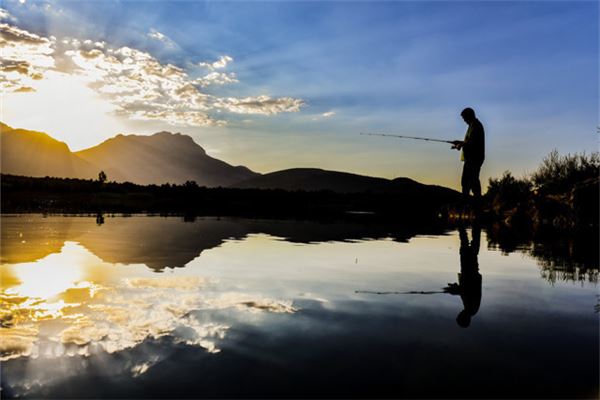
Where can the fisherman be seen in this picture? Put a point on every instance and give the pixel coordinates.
(473, 154)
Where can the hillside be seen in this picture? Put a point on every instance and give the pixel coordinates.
(32, 153)
(313, 179)
(162, 157)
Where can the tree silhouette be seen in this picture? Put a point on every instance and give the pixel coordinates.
(101, 177)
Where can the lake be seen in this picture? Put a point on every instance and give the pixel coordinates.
(162, 307)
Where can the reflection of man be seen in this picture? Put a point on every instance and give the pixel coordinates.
(469, 278)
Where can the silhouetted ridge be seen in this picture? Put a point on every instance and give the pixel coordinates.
(315, 179)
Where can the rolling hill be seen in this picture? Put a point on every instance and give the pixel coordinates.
(314, 179)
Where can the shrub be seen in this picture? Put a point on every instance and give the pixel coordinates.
(508, 192)
(559, 174)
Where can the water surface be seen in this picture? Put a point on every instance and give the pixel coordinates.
(163, 307)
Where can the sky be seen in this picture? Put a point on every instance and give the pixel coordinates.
(282, 84)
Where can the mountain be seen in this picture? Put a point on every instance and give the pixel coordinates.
(160, 158)
(314, 179)
(34, 153)
(166, 157)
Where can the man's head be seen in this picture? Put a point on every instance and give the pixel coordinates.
(468, 115)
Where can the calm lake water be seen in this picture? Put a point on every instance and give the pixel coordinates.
(163, 307)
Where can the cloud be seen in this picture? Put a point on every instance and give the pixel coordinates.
(138, 85)
(327, 114)
(161, 37)
(219, 64)
(216, 78)
(24, 89)
(24, 57)
(5, 15)
(264, 105)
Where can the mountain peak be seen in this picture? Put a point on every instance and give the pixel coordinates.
(161, 138)
(162, 157)
(167, 133)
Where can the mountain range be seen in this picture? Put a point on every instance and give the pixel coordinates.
(160, 158)
(166, 157)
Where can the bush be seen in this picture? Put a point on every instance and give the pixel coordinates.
(559, 174)
(507, 193)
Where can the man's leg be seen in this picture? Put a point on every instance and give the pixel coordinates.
(476, 187)
(466, 182)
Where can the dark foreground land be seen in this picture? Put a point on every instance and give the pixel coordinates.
(64, 195)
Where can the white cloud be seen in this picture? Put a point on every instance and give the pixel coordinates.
(264, 105)
(161, 37)
(219, 64)
(216, 78)
(318, 117)
(134, 82)
(5, 15)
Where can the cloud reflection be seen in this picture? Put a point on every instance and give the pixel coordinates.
(83, 314)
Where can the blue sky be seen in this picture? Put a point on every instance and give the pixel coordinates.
(530, 70)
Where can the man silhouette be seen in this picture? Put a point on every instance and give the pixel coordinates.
(473, 154)
(469, 278)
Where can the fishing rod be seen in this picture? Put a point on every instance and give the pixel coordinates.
(410, 292)
(411, 137)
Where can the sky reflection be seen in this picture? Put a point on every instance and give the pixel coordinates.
(250, 298)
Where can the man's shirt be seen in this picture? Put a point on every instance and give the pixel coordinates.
(474, 144)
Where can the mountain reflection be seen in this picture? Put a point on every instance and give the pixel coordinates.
(161, 243)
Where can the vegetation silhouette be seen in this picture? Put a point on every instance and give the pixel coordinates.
(63, 195)
(562, 194)
(102, 177)
(560, 256)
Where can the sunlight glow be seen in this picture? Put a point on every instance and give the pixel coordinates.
(50, 276)
(58, 106)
